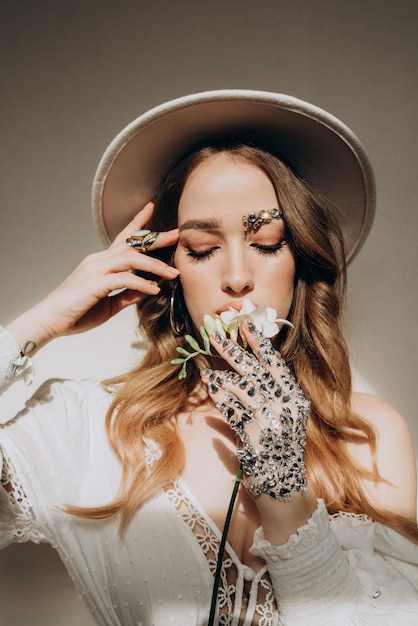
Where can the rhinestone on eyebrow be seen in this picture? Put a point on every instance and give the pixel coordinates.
(254, 221)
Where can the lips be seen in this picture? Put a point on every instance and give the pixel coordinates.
(234, 304)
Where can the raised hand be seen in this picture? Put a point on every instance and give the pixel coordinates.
(267, 410)
(102, 285)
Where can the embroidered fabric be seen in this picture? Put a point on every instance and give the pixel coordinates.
(361, 517)
(236, 606)
(382, 560)
(13, 365)
(152, 452)
(23, 525)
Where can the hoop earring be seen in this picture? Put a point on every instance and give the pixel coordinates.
(176, 328)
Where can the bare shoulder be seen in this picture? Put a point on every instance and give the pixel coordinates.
(384, 417)
(395, 454)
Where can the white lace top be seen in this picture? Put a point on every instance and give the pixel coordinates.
(340, 570)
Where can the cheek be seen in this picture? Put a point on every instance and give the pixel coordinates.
(195, 286)
(285, 279)
(188, 274)
(285, 301)
(194, 299)
(188, 285)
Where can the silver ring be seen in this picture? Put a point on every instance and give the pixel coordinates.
(142, 239)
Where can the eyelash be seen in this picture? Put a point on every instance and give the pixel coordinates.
(269, 250)
(263, 250)
(200, 256)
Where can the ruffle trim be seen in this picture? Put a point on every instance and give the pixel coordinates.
(13, 365)
(315, 529)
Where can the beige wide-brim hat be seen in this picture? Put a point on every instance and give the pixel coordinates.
(319, 147)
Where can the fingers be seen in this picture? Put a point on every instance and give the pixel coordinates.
(265, 365)
(137, 223)
(236, 413)
(121, 257)
(260, 374)
(123, 299)
(259, 379)
(239, 399)
(124, 257)
(164, 239)
(240, 359)
(128, 267)
(88, 296)
(267, 410)
(146, 240)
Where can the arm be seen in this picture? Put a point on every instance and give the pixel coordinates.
(101, 286)
(313, 579)
(364, 573)
(268, 411)
(395, 456)
(13, 364)
(351, 571)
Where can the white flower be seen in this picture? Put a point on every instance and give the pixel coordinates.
(263, 317)
(212, 323)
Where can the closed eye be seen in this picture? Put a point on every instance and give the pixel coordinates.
(203, 255)
(266, 250)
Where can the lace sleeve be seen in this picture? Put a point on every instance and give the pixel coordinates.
(17, 521)
(13, 365)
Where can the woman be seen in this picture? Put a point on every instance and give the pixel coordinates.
(257, 201)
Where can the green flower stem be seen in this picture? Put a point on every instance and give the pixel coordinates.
(186, 355)
(222, 547)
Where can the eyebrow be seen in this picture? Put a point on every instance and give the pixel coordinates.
(211, 224)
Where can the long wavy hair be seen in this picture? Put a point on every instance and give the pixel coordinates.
(149, 397)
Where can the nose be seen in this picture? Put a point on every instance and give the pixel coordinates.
(238, 276)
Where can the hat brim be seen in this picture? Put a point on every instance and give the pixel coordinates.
(319, 147)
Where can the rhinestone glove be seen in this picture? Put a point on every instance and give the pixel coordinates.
(268, 411)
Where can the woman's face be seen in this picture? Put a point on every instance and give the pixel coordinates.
(220, 266)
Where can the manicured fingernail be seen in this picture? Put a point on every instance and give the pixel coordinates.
(218, 337)
(205, 372)
(251, 327)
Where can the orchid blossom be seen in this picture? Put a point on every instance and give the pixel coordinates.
(230, 323)
(263, 317)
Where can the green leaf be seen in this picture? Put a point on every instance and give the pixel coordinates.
(183, 372)
(183, 352)
(192, 342)
(177, 361)
(205, 337)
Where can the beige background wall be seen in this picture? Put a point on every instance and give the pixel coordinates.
(74, 73)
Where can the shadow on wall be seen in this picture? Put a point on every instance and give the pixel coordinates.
(36, 590)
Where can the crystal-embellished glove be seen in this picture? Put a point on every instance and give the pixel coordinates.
(268, 411)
